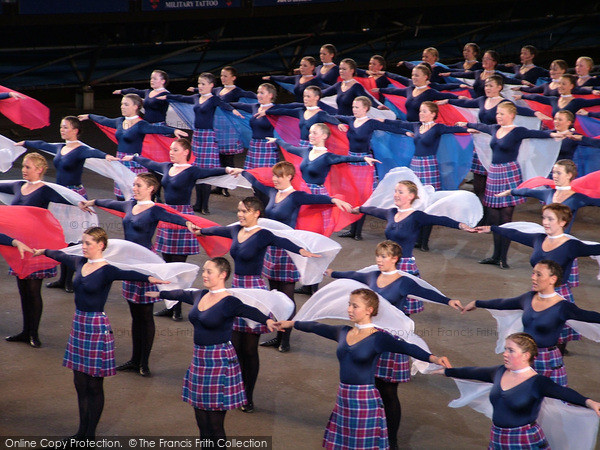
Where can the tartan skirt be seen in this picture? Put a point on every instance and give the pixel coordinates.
(574, 275)
(213, 381)
(393, 368)
(131, 165)
(502, 177)
(79, 189)
(361, 177)
(358, 419)
(38, 275)
(476, 166)
(427, 169)
(279, 266)
(248, 282)
(409, 265)
(528, 436)
(177, 241)
(204, 148)
(261, 154)
(91, 345)
(549, 362)
(135, 292)
(226, 136)
(319, 189)
(567, 333)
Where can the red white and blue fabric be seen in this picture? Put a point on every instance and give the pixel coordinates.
(502, 177)
(261, 153)
(248, 282)
(587, 158)
(155, 147)
(279, 266)
(177, 240)
(25, 111)
(528, 436)
(131, 165)
(213, 381)
(584, 128)
(549, 362)
(91, 345)
(587, 185)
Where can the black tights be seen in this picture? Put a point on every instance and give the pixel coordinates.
(142, 332)
(288, 289)
(246, 347)
(30, 291)
(202, 196)
(393, 411)
(498, 216)
(211, 424)
(479, 182)
(356, 227)
(169, 257)
(90, 397)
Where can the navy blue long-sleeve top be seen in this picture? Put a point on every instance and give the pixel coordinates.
(69, 167)
(285, 211)
(435, 71)
(479, 84)
(260, 126)
(531, 75)
(396, 291)
(574, 105)
(299, 87)
(304, 124)
(155, 110)
(344, 99)
(546, 90)
(41, 197)
(5, 240)
(359, 138)
(406, 232)
(204, 113)
(519, 405)
(426, 144)
(358, 361)
(214, 325)
(413, 104)
(460, 67)
(330, 77)
(178, 188)
(315, 171)
(130, 140)
(544, 326)
(488, 116)
(233, 95)
(563, 254)
(506, 149)
(91, 291)
(249, 255)
(4, 95)
(140, 228)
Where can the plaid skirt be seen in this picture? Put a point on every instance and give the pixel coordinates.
(528, 436)
(91, 346)
(502, 177)
(40, 274)
(409, 265)
(279, 266)
(177, 241)
(476, 166)
(261, 154)
(248, 282)
(213, 381)
(358, 419)
(135, 292)
(131, 165)
(79, 189)
(427, 169)
(227, 139)
(361, 177)
(549, 362)
(573, 280)
(567, 333)
(393, 368)
(319, 189)
(204, 148)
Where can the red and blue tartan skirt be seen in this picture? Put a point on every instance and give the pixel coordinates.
(226, 136)
(91, 345)
(528, 436)
(79, 189)
(135, 292)
(567, 333)
(177, 241)
(248, 282)
(393, 368)
(573, 280)
(40, 274)
(502, 177)
(476, 166)
(279, 266)
(549, 362)
(261, 154)
(131, 165)
(358, 419)
(409, 265)
(204, 148)
(427, 169)
(213, 381)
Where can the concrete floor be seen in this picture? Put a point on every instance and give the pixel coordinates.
(296, 391)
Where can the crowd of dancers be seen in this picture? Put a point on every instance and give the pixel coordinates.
(316, 167)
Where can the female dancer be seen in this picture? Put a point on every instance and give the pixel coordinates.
(504, 172)
(392, 368)
(527, 71)
(155, 109)
(558, 68)
(213, 382)
(32, 192)
(68, 161)
(359, 348)
(248, 249)
(139, 224)
(10, 242)
(346, 90)
(301, 82)
(430, 57)
(583, 67)
(328, 72)
(517, 394)
(471, 52)
(90, 351)
(131, 131)
(178, 180)
(284, 205)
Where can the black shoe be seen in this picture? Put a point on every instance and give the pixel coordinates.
(271, 343)
(197, 208)
(129, 366)
(226, 193)
(164, 313)
(346, 234)
(145, 372)
(21, 337)
(424, 247)
(503, 265)
(177, 317)
(247, 408)
(55, 285)
(69, 288)
(490, 261)
(217, 191)
(284, 347)
(205, 212)
(358, 237)
(304, 290)
(34, 342)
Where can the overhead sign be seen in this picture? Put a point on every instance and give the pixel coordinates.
(173, 5)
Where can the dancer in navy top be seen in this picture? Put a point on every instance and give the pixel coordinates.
(358, 419)
(139, 224)
(301, 82)
(327, 72)
(347, 89)
(471, 52)
(527, 70)
(558, 68)
(517, 394)
(430, 57)
(213, 382)
(583, 66)
(90, 351)
(155, 109)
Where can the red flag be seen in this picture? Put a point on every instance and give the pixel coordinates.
(26, 111)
